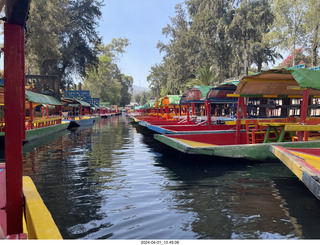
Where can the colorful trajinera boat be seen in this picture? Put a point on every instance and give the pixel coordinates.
(43, 116)
(77, 112)
(276, 85)
(23, 214)
(209, 113)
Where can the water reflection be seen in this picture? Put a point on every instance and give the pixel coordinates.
(113, 180)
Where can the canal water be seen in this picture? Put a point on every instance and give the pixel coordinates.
(114, 181)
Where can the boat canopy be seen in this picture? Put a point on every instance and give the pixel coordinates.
(152, 103)
(104, 104)
(145, 106)
(284, 82)
(75, 102)
(41, 98)
(196, 94)
(219, 93)
(170, 100)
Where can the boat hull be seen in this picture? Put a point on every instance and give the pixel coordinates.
(35, 134)
(248, 151)
(39, 133)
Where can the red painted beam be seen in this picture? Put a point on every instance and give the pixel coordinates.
(304, 111)
(14, 95)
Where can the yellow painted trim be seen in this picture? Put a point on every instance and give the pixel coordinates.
(289, 161)
(40, 224)
(312, 160)
(270, 96)
(233, 95)
(295, 88)
(302, 128)
(295, 96)
(194, 143)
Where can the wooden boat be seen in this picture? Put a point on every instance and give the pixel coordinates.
(43, 116)
(252, 143)
(216, 100)
(77, 113)
(23, 214)
(304, 163)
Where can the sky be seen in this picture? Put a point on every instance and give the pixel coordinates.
(140, 21)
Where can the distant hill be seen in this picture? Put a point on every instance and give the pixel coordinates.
(137, 89)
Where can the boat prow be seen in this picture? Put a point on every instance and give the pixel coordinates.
(304, 163)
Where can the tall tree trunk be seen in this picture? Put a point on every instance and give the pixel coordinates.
(315, 47)
(294, 54)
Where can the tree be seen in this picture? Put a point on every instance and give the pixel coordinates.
(176, 63)
(300, 58)
(312, 28)
(106, 81)
(251, 22)
(62, 38)
(158, 80)
(289, 26)
(203, 77)
(210, 23)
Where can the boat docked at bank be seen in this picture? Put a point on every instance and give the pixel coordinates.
(209, 113)
(275, 85)
(77, 113)
(43, 116)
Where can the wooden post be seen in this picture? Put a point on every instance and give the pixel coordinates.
(14, 94)
(303, 111)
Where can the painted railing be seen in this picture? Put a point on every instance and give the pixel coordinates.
(43, 122)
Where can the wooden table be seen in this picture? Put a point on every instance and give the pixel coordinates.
(279, 130)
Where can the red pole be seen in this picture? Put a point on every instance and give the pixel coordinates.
(192, 106)
(14, 94)
(47, 111)
(304, 111)
(238, 125)
(208, 112)
(188, 113)
(31, 115)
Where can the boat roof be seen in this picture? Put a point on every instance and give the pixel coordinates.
(41, 98)
(72, 100)
(289, 81)
(170, 100)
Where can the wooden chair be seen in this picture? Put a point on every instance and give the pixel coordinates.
(253, 134)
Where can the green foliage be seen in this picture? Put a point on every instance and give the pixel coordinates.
(106, 81)
(158, 80)
(203, 77)
(62, 38)
(290, 24)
